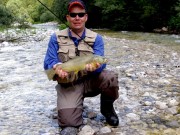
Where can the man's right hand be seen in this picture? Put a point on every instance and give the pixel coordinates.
(61, 73)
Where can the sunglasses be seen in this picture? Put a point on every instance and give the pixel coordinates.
(73, 15)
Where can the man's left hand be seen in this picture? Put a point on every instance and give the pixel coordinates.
(92, 67)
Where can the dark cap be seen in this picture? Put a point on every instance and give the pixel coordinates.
(76, 2)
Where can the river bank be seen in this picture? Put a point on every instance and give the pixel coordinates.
(149, 83)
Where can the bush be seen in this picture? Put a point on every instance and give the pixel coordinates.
(174, 23)
(62, 26)
(5, 15)
(47, 17)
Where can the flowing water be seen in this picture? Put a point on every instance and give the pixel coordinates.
(171, 40)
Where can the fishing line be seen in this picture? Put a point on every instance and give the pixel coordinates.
(60, 20)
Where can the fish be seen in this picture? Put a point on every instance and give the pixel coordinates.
(77, 64)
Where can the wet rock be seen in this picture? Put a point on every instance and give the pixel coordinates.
(173, 124)
(146, 94)
(170, 131)
(91, 115)
(158, 120)
(149, 99)
(4, 44)
(86, 130)
(133, 116)
(161, 105)
(69, 131)
(172, 102)
(172, 110)
(148, 88)
(147, 103)
(105, 130)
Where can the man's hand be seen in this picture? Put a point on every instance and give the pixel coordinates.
(92, 67)
(61, 73)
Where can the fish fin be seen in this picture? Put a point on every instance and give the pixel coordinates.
(75, 72)
(50, 73)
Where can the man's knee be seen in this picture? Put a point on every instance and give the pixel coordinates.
(109, 78)
(70, 117)
(110, 84)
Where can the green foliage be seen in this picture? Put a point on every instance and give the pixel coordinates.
(174, 22)
(131, 15)
(19, 11)
(109, 6)
(46, 17)
(5, 15)
(40, 13)
(136, 15)
(59, 7)
(29, 11)
(3, 2)
(63, 26)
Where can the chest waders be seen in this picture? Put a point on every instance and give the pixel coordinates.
(72, 91)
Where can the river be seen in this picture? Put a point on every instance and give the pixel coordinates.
(149, 81)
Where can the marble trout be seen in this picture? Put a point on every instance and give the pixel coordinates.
(77, 64)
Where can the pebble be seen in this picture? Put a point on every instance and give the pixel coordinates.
(69, 131)
(86, 130)
(172, 110)
(148, 81)
(105, 130)
(133, 116)
(161, 105)
(173, 124)
(147, 103)
(172, 102)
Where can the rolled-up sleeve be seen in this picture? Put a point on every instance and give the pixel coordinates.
(98, 48)
(51, 57)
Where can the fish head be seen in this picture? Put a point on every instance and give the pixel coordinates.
(100, 59)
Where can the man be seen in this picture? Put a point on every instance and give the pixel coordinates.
(66, 44)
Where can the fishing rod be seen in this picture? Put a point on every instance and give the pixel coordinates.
(60, 20)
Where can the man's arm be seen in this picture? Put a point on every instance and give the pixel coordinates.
(98, 48)
(51, 57)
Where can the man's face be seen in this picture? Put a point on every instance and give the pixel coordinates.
(77, 18)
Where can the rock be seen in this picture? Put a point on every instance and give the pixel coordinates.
(172, 110)
(172, 102)
(164, 81)
(133, 116)
(5, 43)
(105, 130)
(147, 103)
(149, 99)
(69, 131)
(148, 80)
(87, 130)
(46, 134)
(91, 115)
(99, 118)
(161, 105)
(173, 124)
(165, 29)
(129, 70)
(146, 94)
(86, 121)
(169, 131)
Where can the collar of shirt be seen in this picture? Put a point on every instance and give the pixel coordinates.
(76, 40)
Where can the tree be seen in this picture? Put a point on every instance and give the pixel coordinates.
(5, 15)
(174, 22)
(3, 2)
(136, 14)
(59, 7)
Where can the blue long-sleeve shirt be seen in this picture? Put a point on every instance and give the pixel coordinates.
(51, 57)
